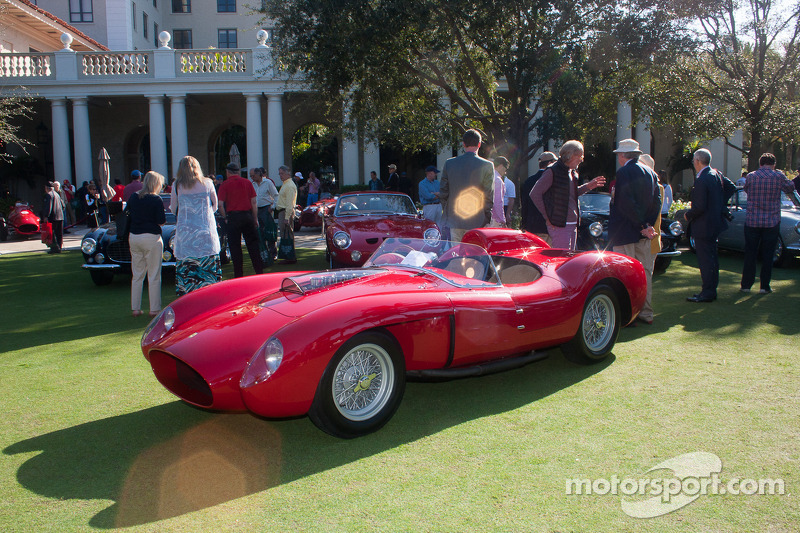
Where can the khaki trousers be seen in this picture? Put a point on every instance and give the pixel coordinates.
(146, 250)
(641, 251)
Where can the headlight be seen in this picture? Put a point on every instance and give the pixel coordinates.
(159, 326)
(166, 256)
(263, 364)
(676, 229)
(355, 255)
(341, 240)
(431, 236)
(595, 229)
(100, 259)
(88, 246)
(797, 227)
(171, 243)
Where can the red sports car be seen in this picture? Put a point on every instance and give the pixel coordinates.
(361, 221)
(338, 345)
(312, 215)
(22, 221)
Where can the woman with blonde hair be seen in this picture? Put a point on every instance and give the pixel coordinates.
(193, 199)
(146, 212)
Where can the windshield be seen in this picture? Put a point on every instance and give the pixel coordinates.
(596, 203)
(374, 204)
(463, 265)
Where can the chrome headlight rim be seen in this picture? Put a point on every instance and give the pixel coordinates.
(88, 246)
(676, 229)
(432, 236)
(341, 240)
(595, 229)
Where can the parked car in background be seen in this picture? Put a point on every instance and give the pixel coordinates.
(22, 222)
(788, 240)
(593, 229)
(361, 221)
(339, 345)
(312, 216)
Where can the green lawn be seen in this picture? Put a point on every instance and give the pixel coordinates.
(90, 440)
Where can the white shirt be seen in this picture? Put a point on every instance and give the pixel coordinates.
(266, 193)
(511, 191)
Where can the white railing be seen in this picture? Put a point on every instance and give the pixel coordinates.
(212, 61)
(26, 65)
(111, 64)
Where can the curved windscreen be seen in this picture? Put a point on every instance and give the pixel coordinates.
(374, 204)
(594, 203)
(463, 265)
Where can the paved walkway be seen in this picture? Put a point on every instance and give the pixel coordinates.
(305, 238)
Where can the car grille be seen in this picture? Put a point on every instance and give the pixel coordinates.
(119, 252)
(181, 379)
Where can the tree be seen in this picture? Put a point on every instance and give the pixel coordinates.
(746, 73)
(504, 67)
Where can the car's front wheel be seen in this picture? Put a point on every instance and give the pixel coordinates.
(101, 277)
(598, 330)
(361, 388)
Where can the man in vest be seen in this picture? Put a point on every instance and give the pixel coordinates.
(556, 193)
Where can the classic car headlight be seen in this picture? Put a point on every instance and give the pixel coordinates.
(159, 326)
(431, 236)
(166, 256)
(172, 242)
(355, 255)
(100, 259)
(263, 364)
(88, 246)
(341, 240)
(595, 229)
(797, 227)
(676, 229)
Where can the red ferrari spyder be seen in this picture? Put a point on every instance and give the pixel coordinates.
(338, 345)
(361, 221)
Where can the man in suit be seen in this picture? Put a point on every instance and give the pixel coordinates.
(53, 212)
(707, 219)
(635, 206)
(467, 189)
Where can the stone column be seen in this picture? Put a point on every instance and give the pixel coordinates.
(178, 131)
(84, 169)
(533, 162)
(158, 135)
(372, 159)
(275, 153)
(350, 157)
(643, 135)
(624, 121)
(255, 136)
(62, 162)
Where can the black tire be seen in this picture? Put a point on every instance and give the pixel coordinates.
(3, 231)
(691, 245)
(101, 277)
(373, 395)
(781, 258)
(598, 330)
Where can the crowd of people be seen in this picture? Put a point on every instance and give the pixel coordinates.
(473, 192)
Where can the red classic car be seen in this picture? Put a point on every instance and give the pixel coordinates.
(338, 345)
(22, 221)
(311, 216)
(361, 221)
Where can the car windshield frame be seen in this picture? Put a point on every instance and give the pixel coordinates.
(377, 203)
(459, 264)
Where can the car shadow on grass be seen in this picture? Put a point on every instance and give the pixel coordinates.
(173, 459)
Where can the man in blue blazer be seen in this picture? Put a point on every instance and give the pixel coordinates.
(707, 219)
(467, 189)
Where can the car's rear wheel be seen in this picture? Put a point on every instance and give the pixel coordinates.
(101, 277)
(361, 388)
(598, 329)
(781, 258)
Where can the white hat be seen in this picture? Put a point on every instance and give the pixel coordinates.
(627, 145)
(298, 175)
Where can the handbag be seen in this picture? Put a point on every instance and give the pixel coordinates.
(47, 233)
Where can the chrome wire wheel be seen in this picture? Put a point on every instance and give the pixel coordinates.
(599, 323)
(363, 382)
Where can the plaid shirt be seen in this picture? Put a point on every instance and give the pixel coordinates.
(763, 188)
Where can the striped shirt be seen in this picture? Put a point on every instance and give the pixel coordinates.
(763, 188)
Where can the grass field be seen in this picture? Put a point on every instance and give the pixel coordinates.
(91, 441)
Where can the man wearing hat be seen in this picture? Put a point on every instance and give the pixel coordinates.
(238, 204)
(635, 206)
(532, 219)
(134, 186)
(429, 196)
(53, 212)
(393, 181)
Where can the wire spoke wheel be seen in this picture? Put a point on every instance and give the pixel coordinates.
(599, 322)
(363, 382)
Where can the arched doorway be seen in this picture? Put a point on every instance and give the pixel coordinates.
(222, 147)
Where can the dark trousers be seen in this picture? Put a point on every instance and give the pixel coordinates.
(58, 235)
(708, 262)
(241, 223)
(767, 238)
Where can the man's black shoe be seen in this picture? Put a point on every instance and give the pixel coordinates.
(699, 299)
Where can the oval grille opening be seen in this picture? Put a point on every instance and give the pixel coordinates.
(181, 379)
